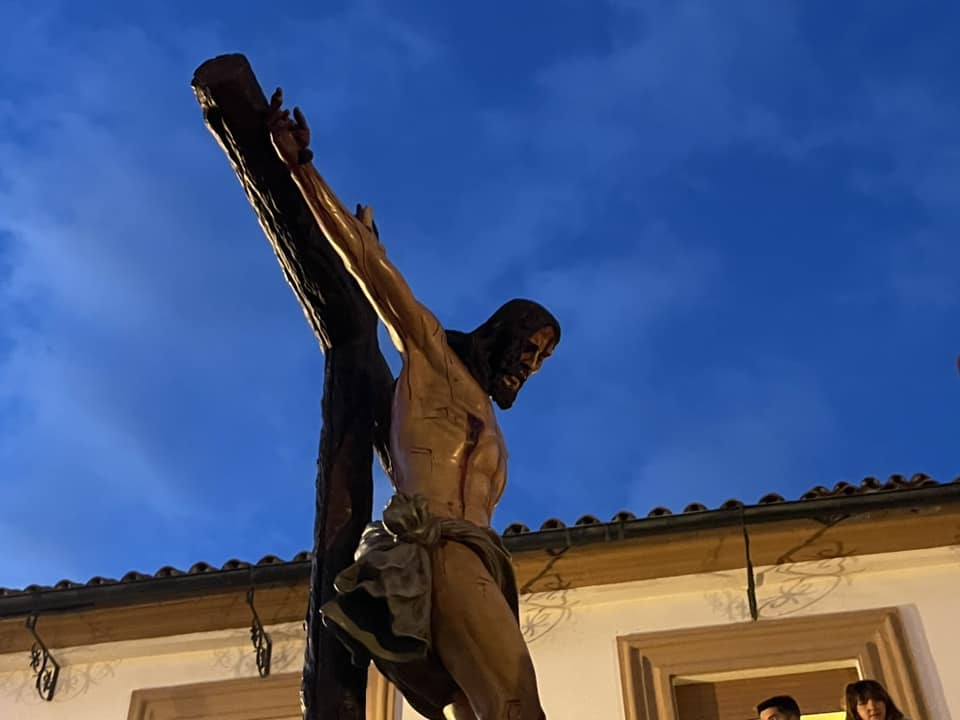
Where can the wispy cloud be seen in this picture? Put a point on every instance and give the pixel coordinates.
(916, 132)
(573, 161)
(153, 364)
(737, 433)
(86, 302)
(608, 126)
(31, 554)
(587, 418)
(159, 390)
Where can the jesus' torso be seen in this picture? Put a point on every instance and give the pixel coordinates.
(444, 439)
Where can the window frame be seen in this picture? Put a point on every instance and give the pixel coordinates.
(251, 698)
(874, 639)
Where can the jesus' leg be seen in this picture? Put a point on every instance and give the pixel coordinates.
(477, 638)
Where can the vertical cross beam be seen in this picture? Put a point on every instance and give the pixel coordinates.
(357, 381)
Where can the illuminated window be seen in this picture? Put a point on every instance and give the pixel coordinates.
(817, 689)
(723, 671)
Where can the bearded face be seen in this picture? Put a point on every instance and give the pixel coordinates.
(508, 348)
(520, 362)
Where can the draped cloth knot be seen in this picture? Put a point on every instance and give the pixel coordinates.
(407, 518)
(382, 607)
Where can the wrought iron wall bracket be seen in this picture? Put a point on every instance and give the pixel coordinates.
(42, 663)
(262, 644)
(751, 576)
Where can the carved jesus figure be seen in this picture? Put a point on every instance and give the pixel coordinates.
(432, 597)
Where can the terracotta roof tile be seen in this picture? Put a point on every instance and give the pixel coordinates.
(99, 580)
(134, 575)
(66, 585)
(168, 571)
(235, 565)
(516, 529)
(553, 524)
(732, 504)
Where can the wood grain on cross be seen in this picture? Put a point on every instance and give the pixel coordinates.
(357, 382)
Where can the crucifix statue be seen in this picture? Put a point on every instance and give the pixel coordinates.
(443, 645)
(431, 597)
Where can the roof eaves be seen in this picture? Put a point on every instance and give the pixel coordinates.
(170, 583)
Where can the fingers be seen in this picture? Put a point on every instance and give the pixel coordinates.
(282, 117)
(367, 217)
(303, 130)
(364, 214)
(279, 120)
(301, 120)
(276, 100)
(276, 117)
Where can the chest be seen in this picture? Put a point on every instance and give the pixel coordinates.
(449, 415)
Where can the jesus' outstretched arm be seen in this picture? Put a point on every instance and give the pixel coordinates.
(354, 238)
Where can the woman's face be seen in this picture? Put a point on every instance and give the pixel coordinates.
(871, 709)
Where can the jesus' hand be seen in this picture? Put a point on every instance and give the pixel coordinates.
(291, 137)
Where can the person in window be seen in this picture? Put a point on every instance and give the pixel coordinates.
(869, 700)
(781, 707)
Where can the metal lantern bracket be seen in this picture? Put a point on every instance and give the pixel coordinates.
(262, 644)
(42, 663)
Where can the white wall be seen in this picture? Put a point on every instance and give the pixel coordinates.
(96, 681)
(572, 637)
(577, 662)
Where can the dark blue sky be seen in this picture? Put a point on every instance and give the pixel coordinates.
(743, 214)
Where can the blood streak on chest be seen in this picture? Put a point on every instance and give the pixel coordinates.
(474, 428)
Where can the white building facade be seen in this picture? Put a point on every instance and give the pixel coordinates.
(859, 585)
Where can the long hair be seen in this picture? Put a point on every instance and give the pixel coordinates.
(864, 690)
(502, 335)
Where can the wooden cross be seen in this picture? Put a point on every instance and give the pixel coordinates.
(357, 381)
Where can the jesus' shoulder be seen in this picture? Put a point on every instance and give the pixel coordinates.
(433, 375)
